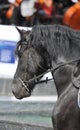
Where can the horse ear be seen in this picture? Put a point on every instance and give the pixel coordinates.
(23, 33)
(76, 75)
(20, 32)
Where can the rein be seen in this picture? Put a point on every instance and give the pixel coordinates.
(36, 79)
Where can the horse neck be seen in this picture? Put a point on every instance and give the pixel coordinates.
(62, 78)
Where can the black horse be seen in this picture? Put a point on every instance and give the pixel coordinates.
(54, 48)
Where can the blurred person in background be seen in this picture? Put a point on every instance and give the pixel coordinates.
(10, 14)
(4, 6)
(23, 14)
(72, 15)
(28, 10)
(61, 6)
(45, 11)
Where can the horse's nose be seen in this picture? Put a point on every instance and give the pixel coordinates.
(15, 92)
(19, 91)
(16, 95)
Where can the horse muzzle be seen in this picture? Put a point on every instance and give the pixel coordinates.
(19, 89)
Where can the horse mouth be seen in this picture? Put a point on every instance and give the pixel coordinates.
(22, 93)
(20, 90)
(18, 96)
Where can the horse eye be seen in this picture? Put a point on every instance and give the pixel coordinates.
(23, 70)
(19, 54)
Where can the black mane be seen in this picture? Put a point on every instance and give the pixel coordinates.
(57, 39)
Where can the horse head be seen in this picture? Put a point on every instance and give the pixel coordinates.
(31, 62)
(40, 49)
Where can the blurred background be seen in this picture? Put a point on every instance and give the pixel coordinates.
(32, 12)
(35, 111)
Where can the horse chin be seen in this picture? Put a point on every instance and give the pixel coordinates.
(21, 97)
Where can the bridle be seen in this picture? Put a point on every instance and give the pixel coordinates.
(37, 80)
